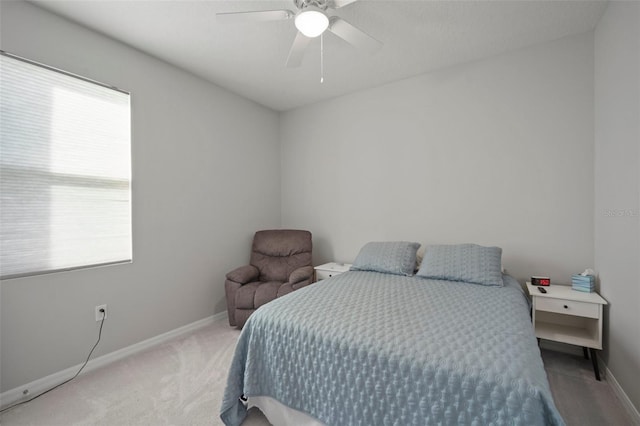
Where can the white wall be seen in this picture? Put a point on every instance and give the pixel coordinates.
(617, 188)
(495, 152)
(203, 182)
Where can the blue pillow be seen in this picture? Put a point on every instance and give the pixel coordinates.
(394, 257)
(470, 263)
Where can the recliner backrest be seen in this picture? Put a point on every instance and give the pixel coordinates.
(278, 252)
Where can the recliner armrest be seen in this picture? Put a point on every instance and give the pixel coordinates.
(301, 274)
(244, 274)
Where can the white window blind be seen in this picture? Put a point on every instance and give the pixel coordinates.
(65, 163)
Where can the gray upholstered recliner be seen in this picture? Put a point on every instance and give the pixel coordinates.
(280, 263)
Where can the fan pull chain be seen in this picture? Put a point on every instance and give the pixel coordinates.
(321, 58)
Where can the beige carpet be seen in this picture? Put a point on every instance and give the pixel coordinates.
(580, 398)
(182, 381)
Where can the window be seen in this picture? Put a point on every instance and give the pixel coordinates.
(65, 171)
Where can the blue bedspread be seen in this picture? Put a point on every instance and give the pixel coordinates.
(366, 348)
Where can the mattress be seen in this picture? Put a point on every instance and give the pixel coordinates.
(368, 348)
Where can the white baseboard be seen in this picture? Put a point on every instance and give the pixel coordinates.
(620, 393)
(40, 385)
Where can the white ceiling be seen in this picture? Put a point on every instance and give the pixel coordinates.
(249, 58)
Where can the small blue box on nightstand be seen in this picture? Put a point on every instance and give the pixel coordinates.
(583, 283)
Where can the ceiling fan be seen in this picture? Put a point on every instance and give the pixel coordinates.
(311, 20)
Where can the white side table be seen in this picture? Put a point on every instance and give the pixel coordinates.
(330, 269)
(569, 316)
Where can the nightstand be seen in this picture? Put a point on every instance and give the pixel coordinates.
(569, 316)
(330, 269)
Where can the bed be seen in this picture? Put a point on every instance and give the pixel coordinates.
(378, 348)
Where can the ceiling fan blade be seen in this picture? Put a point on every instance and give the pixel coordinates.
(298, 48)
(341, 3)
(255, 16)
(353, 35)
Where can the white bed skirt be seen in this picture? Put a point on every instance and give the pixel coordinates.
(279, 414)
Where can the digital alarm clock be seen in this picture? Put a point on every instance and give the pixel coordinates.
(545, 281)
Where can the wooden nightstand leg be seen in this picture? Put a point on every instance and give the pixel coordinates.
(594, 361)
(585, 352)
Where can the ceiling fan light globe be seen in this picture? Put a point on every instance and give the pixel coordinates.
(311, 21)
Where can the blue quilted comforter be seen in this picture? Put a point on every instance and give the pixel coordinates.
(366, 348)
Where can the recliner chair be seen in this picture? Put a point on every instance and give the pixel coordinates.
(280, 263)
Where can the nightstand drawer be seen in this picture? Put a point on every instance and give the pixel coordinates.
(323, 275)
(569, 307)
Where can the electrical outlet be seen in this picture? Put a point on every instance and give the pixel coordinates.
(101, 315)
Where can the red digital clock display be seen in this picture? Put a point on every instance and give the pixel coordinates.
(545, 281)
